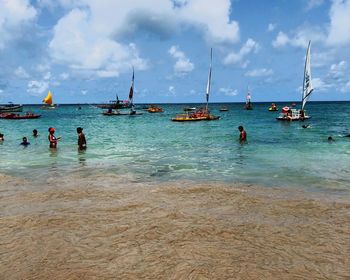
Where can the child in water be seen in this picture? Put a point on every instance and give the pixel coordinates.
(242, 134)
(81, 139)
(52, 139)
(25, 142)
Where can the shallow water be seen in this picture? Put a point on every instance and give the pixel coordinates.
(153, 148)
(109, 226)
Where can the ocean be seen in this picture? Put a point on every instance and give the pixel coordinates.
(152, 148)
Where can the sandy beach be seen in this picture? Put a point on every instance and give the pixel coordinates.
(112, 227)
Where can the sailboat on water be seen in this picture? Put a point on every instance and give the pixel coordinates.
(132, 111)
(48, 100)
(248, 104)
(289, 114)
(202, 114)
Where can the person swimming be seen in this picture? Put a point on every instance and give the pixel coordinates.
(306, 126)
(330, 139)
(2, 137)
(52, 139)
(25, 142)
(35, 133)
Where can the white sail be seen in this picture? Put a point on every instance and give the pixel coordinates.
(307, 84)
(209, 78)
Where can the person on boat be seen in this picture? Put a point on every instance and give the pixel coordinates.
(242, 134)
(302, 114)
(35, 133)
(52, 139)
(2, 137)
(109, 111)
(81, 139)
(132, 110)
(25, 142)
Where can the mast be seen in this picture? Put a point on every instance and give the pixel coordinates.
(209, 78)
(307, 84)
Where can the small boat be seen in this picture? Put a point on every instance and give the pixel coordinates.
(132, 111)
(187, 109)
(201, 114)
(13, 116)
(49, 102)
(273, 108)
(289, 114)
(155, 109)
(223, 109)
(248, 104)
(11, 108)
(115, 104)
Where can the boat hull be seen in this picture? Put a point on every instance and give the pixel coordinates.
(11, 108)
(18, 117)
(120, 114)
(292, 119)
(189, 119)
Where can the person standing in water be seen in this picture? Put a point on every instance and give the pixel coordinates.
(25, 142)
(81, 139)
(242, 134)
(52, 139)
(35, 133)
(2, 137)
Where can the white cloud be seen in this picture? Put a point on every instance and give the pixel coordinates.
(47, 76)
(300, 37)
(339, 30)
(236, 57)
(263, 72)
(84, 92)
(172, 90)
(338, 70)
(183, 65)
(271, 27)
(281, 40)
(229, 91)
(345, 88)
(20, 72)
(37, 88)
(88, 37)
(13, 15)
(313, 4)
(320, 85)
(64, 76)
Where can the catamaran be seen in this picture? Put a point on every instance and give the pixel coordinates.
(201, 114)
(291, 114)
(48, 100)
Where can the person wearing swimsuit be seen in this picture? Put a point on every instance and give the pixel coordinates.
(52, 138)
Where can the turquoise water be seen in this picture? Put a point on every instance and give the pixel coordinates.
(151, 147)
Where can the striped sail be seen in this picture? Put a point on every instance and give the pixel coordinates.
(307, 84)
(209, 78)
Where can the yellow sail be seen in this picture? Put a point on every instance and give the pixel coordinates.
(48, 98)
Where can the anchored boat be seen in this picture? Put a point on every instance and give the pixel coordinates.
(202, 114)
(292, 114)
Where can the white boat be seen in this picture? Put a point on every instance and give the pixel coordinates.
(11, 108)
(289, 114)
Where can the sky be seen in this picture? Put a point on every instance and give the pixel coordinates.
(84, 50)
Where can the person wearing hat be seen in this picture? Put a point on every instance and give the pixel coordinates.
(52, 139)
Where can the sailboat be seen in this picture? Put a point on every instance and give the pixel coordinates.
(290, 114)
(248, 104)
(132, 112)
(201, 114)
(49, 101)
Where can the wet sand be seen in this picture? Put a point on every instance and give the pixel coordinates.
(108, 227)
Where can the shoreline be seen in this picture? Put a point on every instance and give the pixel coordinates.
(113, 227)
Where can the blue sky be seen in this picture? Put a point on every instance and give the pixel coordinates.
(84, 50)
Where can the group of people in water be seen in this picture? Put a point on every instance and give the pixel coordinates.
(53, 140)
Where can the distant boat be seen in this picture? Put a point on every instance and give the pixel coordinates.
(155, 109)
(223, 109)
(248, 104)
(187, 109)
(289, 114)
(201, 114)
(13, 116)
(49, 102)
(11, 108)
(130, 103)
